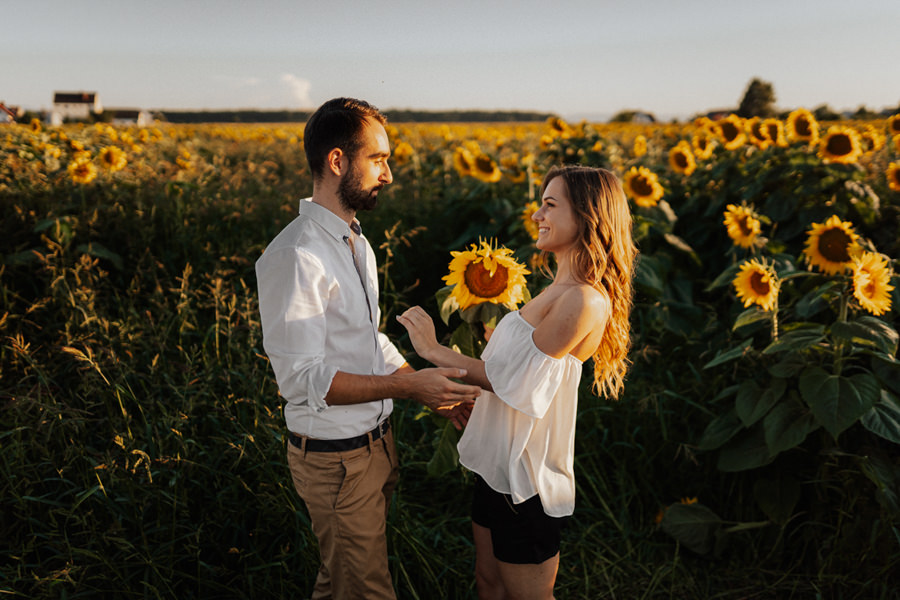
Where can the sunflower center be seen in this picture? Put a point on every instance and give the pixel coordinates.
(484, 164)
(641, 186)
(484, 285)
(743, 223)
(834, 245)
(681, 160)
(759, 282)
(757, 131)
(869, 289)
(839, 145)
(729, 130)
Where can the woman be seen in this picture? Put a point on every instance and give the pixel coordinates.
(519, 440)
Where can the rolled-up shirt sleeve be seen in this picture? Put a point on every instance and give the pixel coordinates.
(393, 360)
(294, 290)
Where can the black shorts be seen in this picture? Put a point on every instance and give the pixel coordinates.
(520, 533)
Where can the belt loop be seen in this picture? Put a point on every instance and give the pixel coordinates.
(303, 445)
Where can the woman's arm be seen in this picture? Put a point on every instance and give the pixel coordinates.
(422, 335)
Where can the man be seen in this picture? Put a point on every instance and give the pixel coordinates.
(318, 297)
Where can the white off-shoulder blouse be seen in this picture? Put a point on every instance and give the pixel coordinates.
(521, 437)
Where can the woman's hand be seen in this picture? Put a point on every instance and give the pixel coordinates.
(421, 331)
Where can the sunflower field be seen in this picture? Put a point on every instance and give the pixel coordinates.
(755, 452)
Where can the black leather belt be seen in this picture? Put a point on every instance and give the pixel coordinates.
(314, 445)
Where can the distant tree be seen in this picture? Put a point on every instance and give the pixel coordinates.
(759, 100)
(864, 113)
(633, 116)
(825, 113)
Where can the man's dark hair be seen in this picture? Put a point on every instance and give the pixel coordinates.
(336, 124)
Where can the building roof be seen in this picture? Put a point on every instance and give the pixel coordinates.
(74, 97)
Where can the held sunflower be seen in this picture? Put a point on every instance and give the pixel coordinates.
(643, 186)
(872, 282)
(830, 246)
(484, 273)
(742, 225)
(757, 283)
(840, 145)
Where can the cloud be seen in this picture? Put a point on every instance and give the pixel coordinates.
(299, 89)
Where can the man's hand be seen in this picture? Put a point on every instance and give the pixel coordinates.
(434, 388)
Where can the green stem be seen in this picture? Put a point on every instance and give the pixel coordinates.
(845, 302)
(775, 323)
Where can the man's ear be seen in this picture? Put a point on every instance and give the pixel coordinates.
(336, 161)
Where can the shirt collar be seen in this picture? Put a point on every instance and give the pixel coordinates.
(329, 221)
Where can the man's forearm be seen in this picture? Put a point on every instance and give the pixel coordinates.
(348, 388)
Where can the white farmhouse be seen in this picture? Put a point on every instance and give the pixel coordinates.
(77, 106)
(130, 116)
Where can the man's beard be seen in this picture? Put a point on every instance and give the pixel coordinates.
(352, 195)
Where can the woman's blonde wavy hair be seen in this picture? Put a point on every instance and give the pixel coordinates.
(604, 258)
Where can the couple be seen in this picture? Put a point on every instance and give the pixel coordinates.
(318, 296)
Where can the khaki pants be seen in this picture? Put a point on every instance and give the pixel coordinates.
(348, 495)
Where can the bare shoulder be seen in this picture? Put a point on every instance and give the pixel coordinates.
(574, 323)
(584, 301)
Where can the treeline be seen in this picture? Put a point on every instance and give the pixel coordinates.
(393, 115)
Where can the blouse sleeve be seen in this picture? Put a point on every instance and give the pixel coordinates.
(524, 377)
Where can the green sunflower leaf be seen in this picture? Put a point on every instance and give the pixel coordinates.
(837, 402)
(446, 302)
(693, 525)
(747, 451)
(750, 316)
(720, 430)
(883, 419)
(887, 370)
(752, 403)
(787, 426)
(867, 331)
(797, 339)
(729, 355)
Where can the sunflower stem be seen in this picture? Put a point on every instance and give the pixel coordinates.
(842, 317)
(845, 302)
(775, 321)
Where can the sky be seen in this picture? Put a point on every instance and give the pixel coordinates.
(578, 59)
